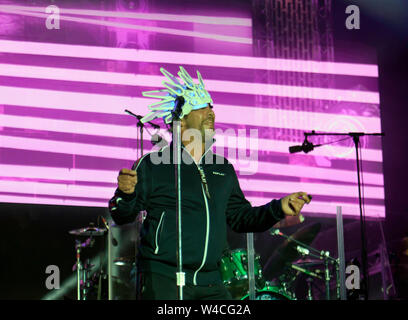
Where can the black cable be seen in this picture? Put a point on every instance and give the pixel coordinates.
(149, 132)
(325, 144)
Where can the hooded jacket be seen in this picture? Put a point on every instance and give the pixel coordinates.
(211, 198)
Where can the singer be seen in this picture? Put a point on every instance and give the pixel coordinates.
(211, 199)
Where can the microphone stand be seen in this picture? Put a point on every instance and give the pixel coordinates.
(140, 125)
(356, 138)
(139, 137)
(180, 275)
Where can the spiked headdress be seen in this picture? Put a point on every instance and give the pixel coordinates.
(195, 96)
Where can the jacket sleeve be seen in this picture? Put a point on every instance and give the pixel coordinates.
(125, 207)
(243, 217)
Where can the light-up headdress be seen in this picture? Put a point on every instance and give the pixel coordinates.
(195, 96)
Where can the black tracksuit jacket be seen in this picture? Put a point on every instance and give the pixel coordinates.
(206, 211)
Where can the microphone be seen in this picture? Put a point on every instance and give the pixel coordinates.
(305, 147)
(114, 241)
(178, 105)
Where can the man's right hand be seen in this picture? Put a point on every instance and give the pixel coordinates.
(127, 180)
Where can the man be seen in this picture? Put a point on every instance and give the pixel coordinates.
(211, 198)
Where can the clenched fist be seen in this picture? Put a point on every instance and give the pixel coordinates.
(127, 180)
(293, 203)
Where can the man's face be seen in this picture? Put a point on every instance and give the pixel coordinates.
(201, 120)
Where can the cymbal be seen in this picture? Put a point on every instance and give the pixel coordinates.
(88, 231)
(305, 263)
(289, 221)
(287, 253)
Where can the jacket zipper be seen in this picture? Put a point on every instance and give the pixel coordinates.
(207, 232)
(158, 230)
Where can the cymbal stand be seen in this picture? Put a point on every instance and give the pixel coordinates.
(311, 285)
(326, 258)
(306, 250)
(81, 269)
(286, 281)
(86, 284)
(78, 267)
(309, 288)
(338, 283)
(327, 278)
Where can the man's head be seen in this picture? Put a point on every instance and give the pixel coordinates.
(201, 120)
(195, 96)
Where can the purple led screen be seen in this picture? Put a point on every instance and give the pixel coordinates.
(64, 133)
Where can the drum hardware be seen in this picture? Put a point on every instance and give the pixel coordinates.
(83, 270)
(310, 285)
(293, 246)
(307, 263)
(287, 252)
(91, 230)
(271, 292)
(307, 272)
(309, 288)
(234, 272)
(125, 261)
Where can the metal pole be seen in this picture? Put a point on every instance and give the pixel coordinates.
(180, 276)
(327, 278)
(309, 289)
(341, 263)
(141, 139)
(79, 267)
(362, 222)
(251, 265)
(356, 138)
(110, 261)
(85, 280)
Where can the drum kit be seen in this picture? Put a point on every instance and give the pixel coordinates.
(86, 282)
(94, 285)
(294, 257)
(291, 259)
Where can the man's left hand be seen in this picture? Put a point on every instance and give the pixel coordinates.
(293, 203)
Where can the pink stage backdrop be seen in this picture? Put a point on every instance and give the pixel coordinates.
(64, 134)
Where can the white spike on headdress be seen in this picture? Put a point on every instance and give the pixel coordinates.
(195, 96)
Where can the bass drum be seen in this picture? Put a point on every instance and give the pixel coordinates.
(234, 272)
(271, 293)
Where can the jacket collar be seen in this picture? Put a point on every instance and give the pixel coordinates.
(208, 147)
